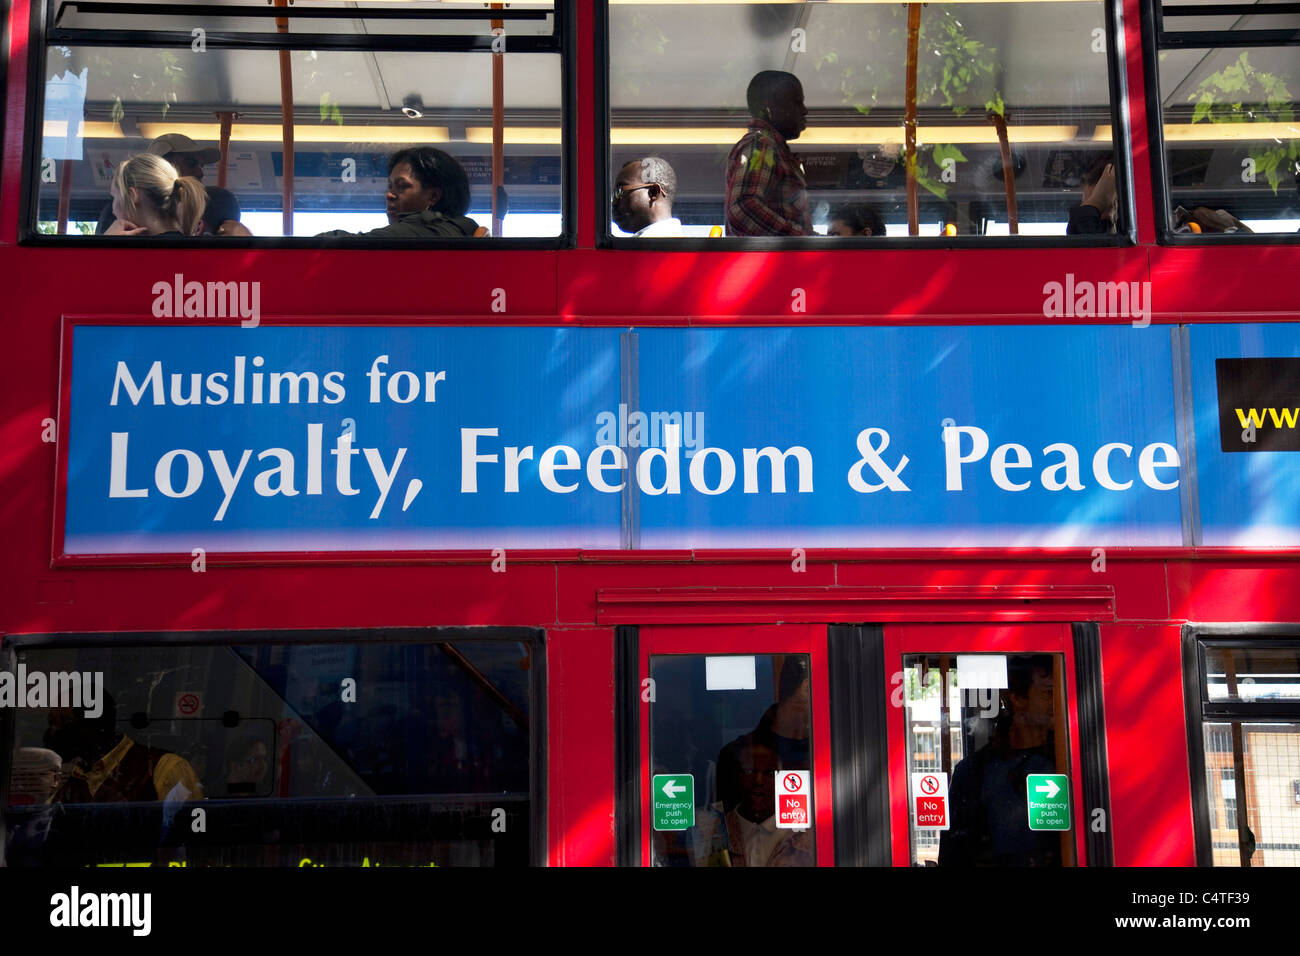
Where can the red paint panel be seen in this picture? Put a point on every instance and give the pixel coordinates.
(1204, 284)
(1138, 586)
(577, 583)
(1146, 740)
(305, 283)
(580, 747)
(1133, 74)
(1260, 590)
(361, 597)
(906, 285)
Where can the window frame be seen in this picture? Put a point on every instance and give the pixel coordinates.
(1199, 710)
(42, 35)
(1152, 33)
(533, 638)
(1123, 237)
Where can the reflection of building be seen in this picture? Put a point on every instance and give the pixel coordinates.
(1271, 758)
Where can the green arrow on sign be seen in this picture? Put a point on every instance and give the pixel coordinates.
(672, 798)
(1048, 798)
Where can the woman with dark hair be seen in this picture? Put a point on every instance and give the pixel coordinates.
(427, 198)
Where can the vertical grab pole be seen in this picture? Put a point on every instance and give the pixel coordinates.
(1238, 765)
(226, 120)
(909, 119)
(286, 124)
(1008, 171)
(65, 195)
(945, 721)
(498, 128)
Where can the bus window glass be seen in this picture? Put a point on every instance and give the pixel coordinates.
(289, 754)
(1252, 674)
(1231, 132)
(791, 119)
(987, 752)
(390, 143)
(1261, 814)
(726, 728)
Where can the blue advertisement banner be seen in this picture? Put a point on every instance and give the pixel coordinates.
(1246, 399)
(413, 438)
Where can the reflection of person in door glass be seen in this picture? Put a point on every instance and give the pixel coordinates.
(750, 835)
(784, 728)
(990, 823)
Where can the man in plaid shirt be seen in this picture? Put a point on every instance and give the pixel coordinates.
(766, 191)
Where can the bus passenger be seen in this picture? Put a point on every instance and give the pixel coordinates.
(747, 834)
(990, 815)
(855, 219)
(221, 217)
(187, 156)
(150, 198)
(428, 196)
(101, 764)
(1097, 214)
(649, 213)
(767, 194)
(1204, 219)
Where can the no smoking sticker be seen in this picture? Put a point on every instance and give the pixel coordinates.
(930, 800)
(188, 703)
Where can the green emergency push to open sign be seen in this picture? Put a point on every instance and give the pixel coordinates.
(1048, 796)
(672, 798)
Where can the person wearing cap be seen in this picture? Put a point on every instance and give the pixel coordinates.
(187, 156)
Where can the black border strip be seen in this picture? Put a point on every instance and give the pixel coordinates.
(627, 746)
(604, 185)
(1120, 143)
(234, 12)
(1227, 39)
(533, 638)
(1092, 742)
(380, 42)
(859, 735)
(1229, 9)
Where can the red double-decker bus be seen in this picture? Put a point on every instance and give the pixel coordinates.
(651, 433)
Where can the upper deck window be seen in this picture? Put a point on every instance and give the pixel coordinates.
(863, 118)
(296, 113)
(1229, 74)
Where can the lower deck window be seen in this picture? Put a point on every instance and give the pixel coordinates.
(382, 752)
(1249, 715)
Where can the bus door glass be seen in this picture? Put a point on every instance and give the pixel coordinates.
(983, 745)
(735, 754)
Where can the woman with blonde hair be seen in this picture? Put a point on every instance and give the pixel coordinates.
(150, 198)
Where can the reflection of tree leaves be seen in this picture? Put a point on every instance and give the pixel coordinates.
(329, 111)
(1222, 97)
(117, 113)
(952, 66)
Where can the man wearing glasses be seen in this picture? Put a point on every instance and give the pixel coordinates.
(643, 198)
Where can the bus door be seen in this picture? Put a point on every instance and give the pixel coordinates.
(734, 746)
(983, 745)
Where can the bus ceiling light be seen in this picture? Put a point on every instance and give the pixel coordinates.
(842, 135)
(271, 133)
